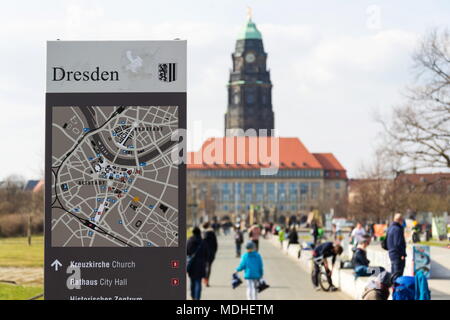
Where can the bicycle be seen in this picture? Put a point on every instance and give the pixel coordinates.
(323, 278)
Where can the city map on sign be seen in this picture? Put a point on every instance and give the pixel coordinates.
(114, 183)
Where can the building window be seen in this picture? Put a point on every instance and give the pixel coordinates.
(226, 192)
(203, 188)
(271, 192)
(315, 187)
(303, 191)
(237, 187)
(214, 191)
(281, 191)
(248, 191)
(293, 191)
(338, 185)
(337, 173)
(259, 191)
(303, 188)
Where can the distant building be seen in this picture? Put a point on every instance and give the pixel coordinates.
(225, 177)
(30, 185)
(430, 183)
(356, 187)
(410, 193)
(39, 186)
(229, 187)
(427, 183)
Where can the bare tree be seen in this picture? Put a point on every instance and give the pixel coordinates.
(419, 131)
(375, 195)
(12, 194)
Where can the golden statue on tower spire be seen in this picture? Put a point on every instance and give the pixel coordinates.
(249, 13)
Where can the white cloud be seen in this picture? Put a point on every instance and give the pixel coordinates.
(326, 79)
(335, 84)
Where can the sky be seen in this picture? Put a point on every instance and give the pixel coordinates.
(333, 64)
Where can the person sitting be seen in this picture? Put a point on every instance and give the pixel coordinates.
(361, 263)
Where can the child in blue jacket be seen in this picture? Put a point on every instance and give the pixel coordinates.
(252, 265)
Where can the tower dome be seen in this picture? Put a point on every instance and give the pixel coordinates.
(249, 31)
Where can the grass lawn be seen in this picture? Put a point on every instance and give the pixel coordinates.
(15, 252)
(13, 292)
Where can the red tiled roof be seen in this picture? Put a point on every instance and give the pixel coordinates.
(332, 165)
(39, 186)
(354, 184)
(418, 178)
(250, 152)
(328, 161)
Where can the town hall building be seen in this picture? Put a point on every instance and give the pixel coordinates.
(250, 169)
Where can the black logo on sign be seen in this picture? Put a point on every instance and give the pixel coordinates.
(167, 72)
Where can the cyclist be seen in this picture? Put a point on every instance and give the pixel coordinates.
(320, 255)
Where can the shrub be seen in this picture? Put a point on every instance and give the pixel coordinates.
(15, 225)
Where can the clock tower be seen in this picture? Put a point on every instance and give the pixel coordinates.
(249, 86)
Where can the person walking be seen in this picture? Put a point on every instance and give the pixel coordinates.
(197, 257)
(372, 231)
(292, 237)
(358, 234)
(281, 236)
(216, 227)
(211, 240)
(336, 233)
(267, 230)
(396, 246)
(238, 239)
(226, 225)
(315, 233)
(254, 234)
(252, 265)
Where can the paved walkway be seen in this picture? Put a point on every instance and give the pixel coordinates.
(286, 279)
(22, 276)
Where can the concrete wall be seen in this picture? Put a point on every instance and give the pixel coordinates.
(345, 280)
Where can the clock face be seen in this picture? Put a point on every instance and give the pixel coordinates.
(250, 57)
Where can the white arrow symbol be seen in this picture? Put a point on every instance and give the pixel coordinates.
(56, 264)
